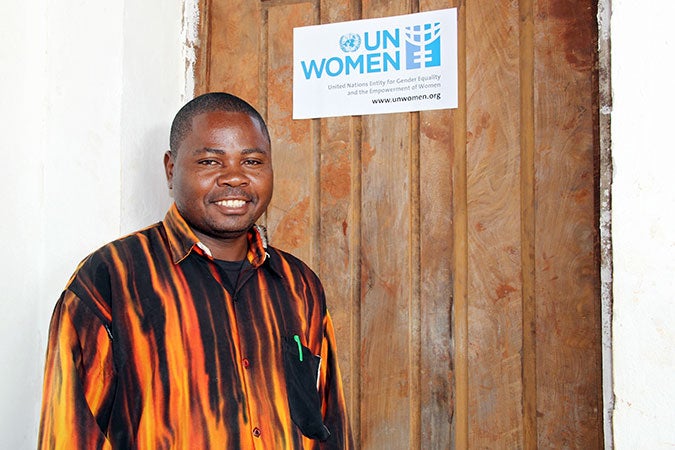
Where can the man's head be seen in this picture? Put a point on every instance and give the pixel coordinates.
(213, 101)
(219, 168)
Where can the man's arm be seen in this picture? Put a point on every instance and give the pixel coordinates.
(78, 379)
(332, 397)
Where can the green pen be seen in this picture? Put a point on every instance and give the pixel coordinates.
(297, 339)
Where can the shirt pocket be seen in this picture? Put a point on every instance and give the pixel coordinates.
(301, 368)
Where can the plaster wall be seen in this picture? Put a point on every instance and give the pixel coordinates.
(643, 224)
(88, 90)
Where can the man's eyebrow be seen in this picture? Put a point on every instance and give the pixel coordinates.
(218, 151)
(248, 151)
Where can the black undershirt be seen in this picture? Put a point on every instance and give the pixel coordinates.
(231, 269)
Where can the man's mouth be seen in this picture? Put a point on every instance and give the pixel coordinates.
(231, 203)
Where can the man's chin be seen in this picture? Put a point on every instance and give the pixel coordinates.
(222, 231)
(228, 232)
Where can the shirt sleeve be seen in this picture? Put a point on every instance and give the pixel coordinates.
(332, 396)
(78, 379)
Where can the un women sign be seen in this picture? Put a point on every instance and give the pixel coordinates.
(376, 66)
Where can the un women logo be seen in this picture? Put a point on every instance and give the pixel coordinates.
(350, 42)
(423, 45)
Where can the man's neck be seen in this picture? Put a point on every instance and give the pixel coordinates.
(234, 249)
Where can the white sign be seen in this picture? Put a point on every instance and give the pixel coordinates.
(375, 66)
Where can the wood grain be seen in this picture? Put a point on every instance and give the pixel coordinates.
(568, 314)
(458, 248)
(340, 210)
(528, 224)
(387, 406)
(436, 189)
(290, 219)
(493, 202)
(231, 22)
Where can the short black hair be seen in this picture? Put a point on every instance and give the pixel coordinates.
(212, 101)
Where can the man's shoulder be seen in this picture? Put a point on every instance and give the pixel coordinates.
(123, 249)
(285, 259)
(134, 238)
(92, 278)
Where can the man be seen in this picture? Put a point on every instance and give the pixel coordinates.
(194, 333)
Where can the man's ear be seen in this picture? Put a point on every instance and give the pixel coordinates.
(168, 168)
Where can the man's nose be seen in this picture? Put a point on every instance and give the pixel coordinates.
(232, 175)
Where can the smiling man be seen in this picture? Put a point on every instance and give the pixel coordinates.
(221, 178)
(194, 333)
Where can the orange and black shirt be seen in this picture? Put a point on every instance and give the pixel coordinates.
(151, 347)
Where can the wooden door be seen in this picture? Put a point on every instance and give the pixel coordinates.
(458, 248)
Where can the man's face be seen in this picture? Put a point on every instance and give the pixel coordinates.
(221, 175)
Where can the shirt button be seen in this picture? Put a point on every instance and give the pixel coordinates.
(256, 432)
(246, 362)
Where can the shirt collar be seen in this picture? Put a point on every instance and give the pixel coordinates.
(182, 240)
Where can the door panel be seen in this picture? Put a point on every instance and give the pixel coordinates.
(458, 248)
(494, 225)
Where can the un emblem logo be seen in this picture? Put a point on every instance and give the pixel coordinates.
(350, 42)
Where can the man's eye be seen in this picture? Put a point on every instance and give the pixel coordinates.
(252, 162)
(208, 162)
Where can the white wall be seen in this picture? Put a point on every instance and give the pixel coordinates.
(643, 148)
(88, 90)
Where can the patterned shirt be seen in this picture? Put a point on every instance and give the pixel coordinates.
(151, 348)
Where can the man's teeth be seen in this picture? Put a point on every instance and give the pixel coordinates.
(231, 203)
